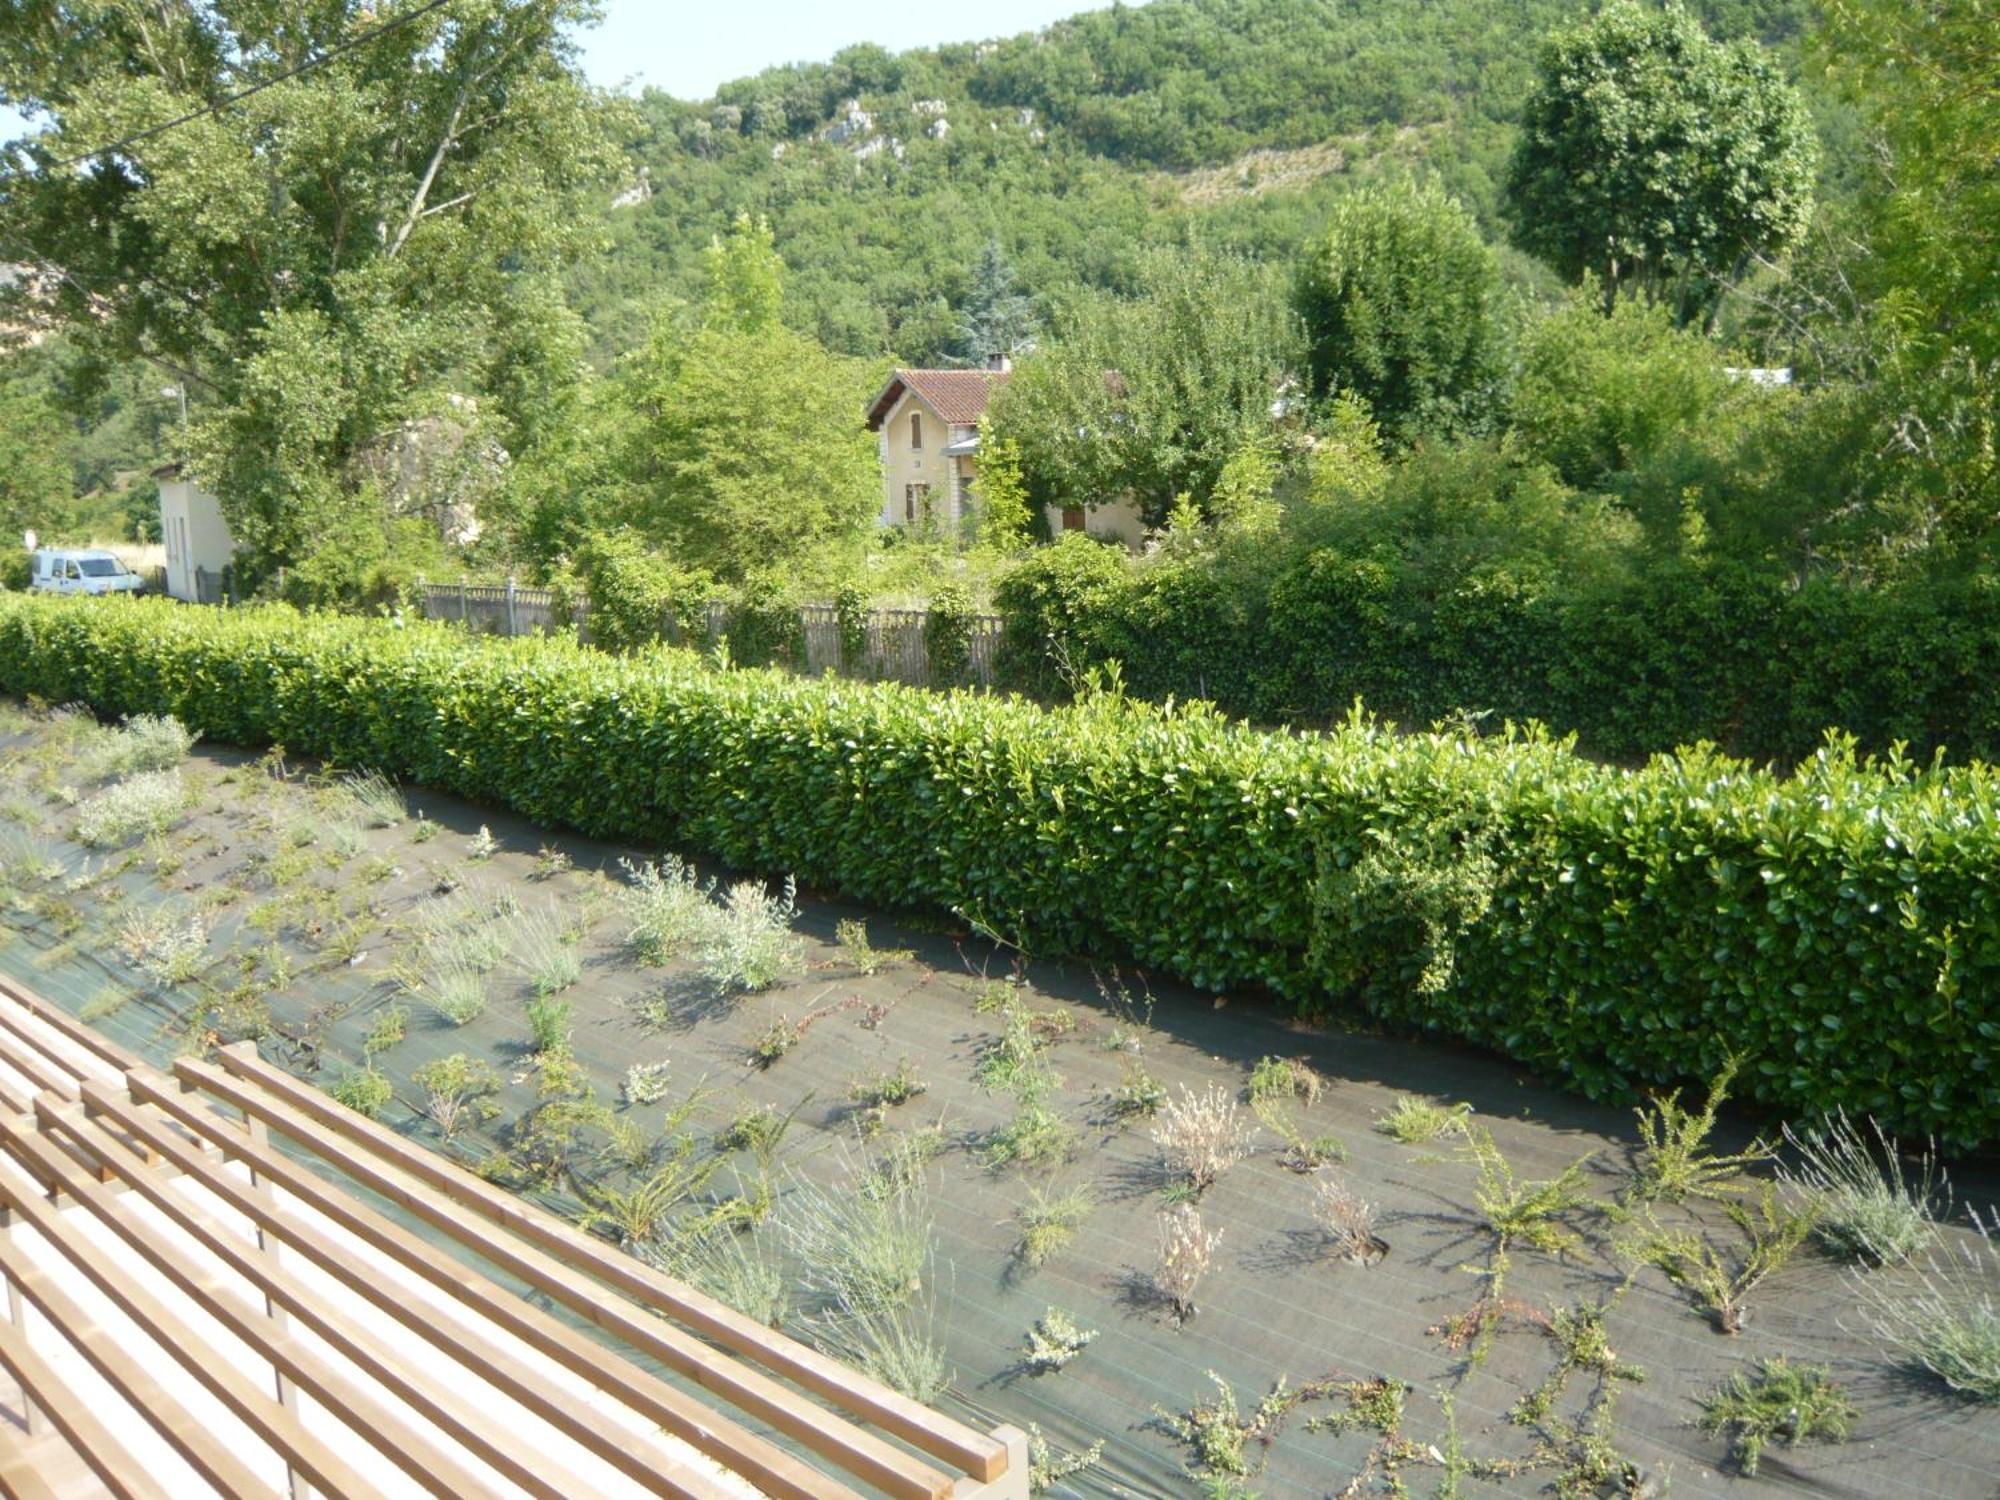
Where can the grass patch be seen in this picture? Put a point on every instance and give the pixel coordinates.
(1944, 1319)
(1868, 1209)
(740, 1269)
(454, 988)
(1048, 1222)
(376, 800)
(1417, 1122)
(547, 958)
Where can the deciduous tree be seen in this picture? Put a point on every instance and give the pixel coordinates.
(1397, 298)
(1659, 160)
(378, 225)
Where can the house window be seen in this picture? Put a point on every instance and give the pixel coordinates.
(916, 501)
(1072, 518)
(916, 432)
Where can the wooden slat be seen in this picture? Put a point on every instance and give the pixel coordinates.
(975, 1453)
(32, 1058)
(88, 1437)
(703, 1429)
(855, 1448)
(479, 1431)
(20, 1481)
(430, 1466)
(189, 1437)
(88, 1038)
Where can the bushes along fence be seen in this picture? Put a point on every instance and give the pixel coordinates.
(1840, 929)
(876, 645)
(1682, 655)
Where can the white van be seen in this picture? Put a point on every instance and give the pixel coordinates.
(81, 570)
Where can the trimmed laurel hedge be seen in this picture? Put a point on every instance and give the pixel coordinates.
(1679, 656)
(1840, 929)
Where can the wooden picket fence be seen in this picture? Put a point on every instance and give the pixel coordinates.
(895, 650)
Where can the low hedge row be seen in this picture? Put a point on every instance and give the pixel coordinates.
(1839, 928)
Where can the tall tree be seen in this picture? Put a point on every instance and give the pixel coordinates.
(1150, 397)
(1658, 160)
(997, 318)
(36, 487)
(376, 228)
(1397, 299)
(745, 282)
(749, 442)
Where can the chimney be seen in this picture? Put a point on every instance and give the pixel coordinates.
(999, 364)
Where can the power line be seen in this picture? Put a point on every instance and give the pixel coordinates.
(359, 39)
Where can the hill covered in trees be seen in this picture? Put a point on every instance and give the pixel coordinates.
(1232, 122)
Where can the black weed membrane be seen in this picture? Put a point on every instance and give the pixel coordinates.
(1169, 1232)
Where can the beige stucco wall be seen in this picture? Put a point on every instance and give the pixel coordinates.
(1117, 520)
(903, 466)
(193, 533)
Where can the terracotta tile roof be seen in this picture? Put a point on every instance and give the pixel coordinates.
(957, 396)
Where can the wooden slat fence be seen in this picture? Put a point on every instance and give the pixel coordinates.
(895, 650)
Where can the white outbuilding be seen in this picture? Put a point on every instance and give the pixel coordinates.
(195, 535)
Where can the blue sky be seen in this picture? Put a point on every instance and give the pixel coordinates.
(689, 49)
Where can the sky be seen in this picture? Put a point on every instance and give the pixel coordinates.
(689, 49)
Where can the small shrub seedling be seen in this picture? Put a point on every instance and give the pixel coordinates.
(851, 933)
(148, 802)
(1285, 1078)
(751, 945)
(366, 1091)
(666, 907)
(646, 1082)
(1186, 1248)
(1201, 1136)
(1673, 1162)
(1347, 1221)
(1717, 1280)
(1054, 1341)
(886, 1090)
(458, 1092)
(1782, 1402)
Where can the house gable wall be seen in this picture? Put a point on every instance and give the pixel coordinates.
(903, 466)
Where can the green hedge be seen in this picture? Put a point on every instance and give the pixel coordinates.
(1681, 656)
(1609, 927)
